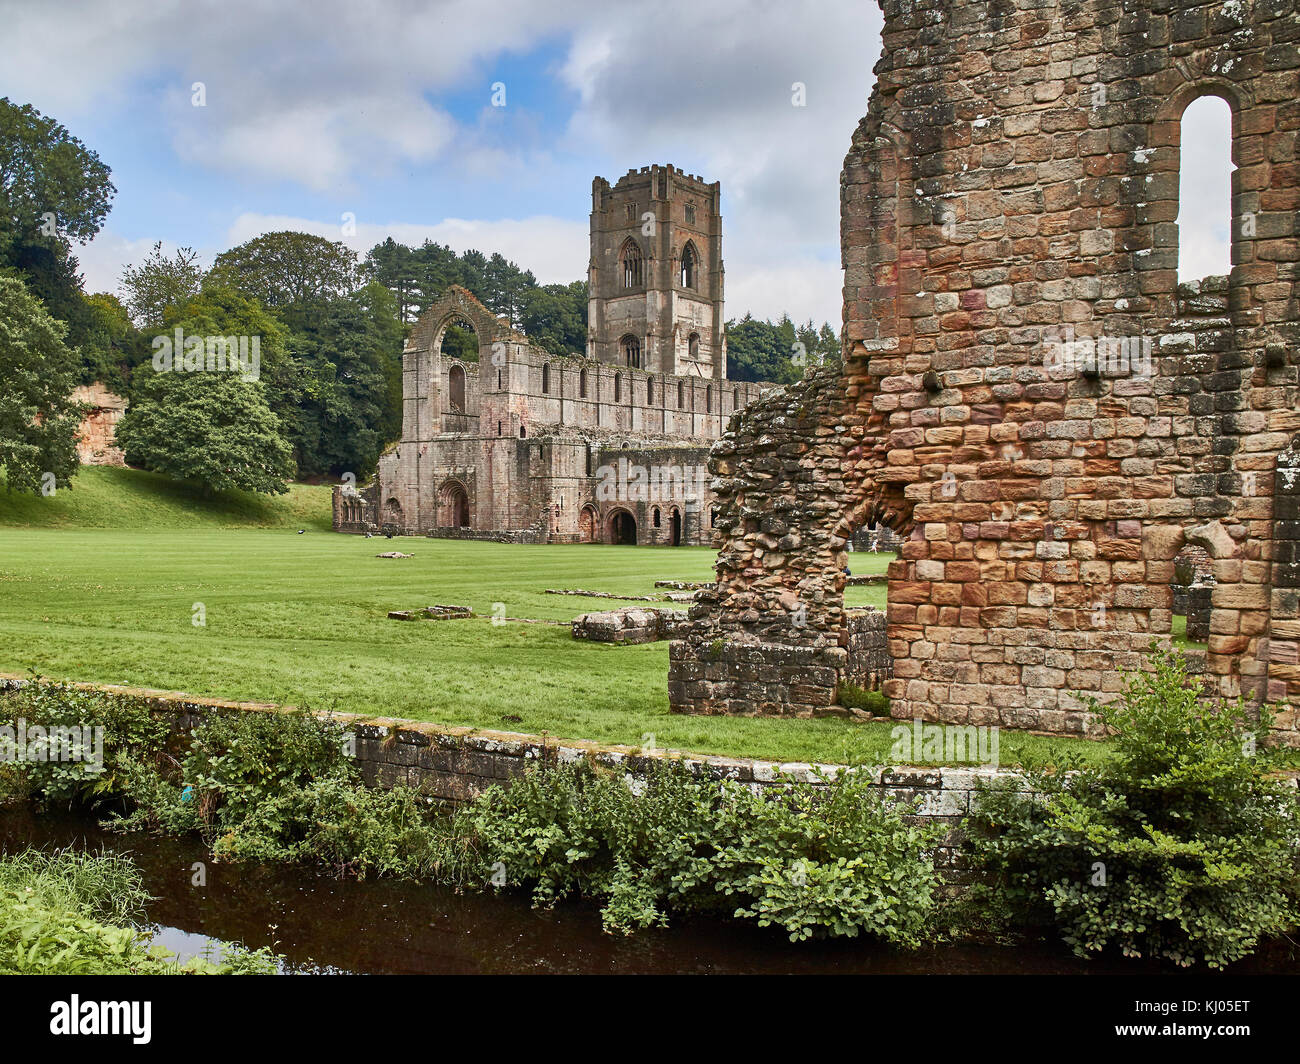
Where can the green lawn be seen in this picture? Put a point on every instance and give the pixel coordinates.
(302, 619)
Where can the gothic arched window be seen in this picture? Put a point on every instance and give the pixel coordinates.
(630, 257)
(690, 266)
(631, 348)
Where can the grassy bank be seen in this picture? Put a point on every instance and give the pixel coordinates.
(133, 500)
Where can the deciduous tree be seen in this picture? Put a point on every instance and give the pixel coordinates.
(38, 419)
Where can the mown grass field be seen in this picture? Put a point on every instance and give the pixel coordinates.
(302, 619)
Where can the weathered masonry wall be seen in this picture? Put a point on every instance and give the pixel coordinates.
(455, 764)
(869, 662)
(97, 436)
(1009, 204)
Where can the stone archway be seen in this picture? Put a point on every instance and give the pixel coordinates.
(453, 505)
(393, 514)
(456, 389)
(622, 528)
(588, 522)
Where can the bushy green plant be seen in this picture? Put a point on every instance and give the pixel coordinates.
(1181, 846)
(133, 734)
(351, 830)
(237, 761)
(829, 860)
(102, 885)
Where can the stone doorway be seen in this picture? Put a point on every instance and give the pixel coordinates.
(622, 529)
(453, 506)
(587, 524)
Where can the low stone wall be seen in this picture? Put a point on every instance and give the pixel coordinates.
(1198, 612)
(753, 678)
(455, 764)
(634, 624)
(869, 663)
(517, 535)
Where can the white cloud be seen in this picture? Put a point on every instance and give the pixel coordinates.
(728, 114)
(330, 95)
(810, 288)
(313, 93)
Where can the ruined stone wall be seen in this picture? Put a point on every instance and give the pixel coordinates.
(97, 435)
(1010, 203)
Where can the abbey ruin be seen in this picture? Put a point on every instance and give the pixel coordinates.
(1030, 396)
(521, 445)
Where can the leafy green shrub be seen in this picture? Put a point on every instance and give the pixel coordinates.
(279, 787)
(133, 733)
(813, 860)
(238, 760)
(830, 860)
(1180, 846)
(350, 829)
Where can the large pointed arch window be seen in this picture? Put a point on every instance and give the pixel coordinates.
(690, 266)
(633, 266)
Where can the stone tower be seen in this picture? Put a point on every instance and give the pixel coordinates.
(655, 277)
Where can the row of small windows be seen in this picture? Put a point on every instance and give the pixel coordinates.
(456, 384)
(633, 265)
(656, 518)
(630, 209)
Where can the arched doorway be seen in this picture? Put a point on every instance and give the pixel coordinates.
(677, 527)
(622, 528)
(393, 516)
(587, 524)
(453, 505)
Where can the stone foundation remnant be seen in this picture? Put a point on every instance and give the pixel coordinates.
(1029, 395)
(631, 625)
(432, 613)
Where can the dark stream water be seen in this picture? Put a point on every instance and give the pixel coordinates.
(323, 924)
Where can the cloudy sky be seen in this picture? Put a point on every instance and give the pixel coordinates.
(382, 110)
